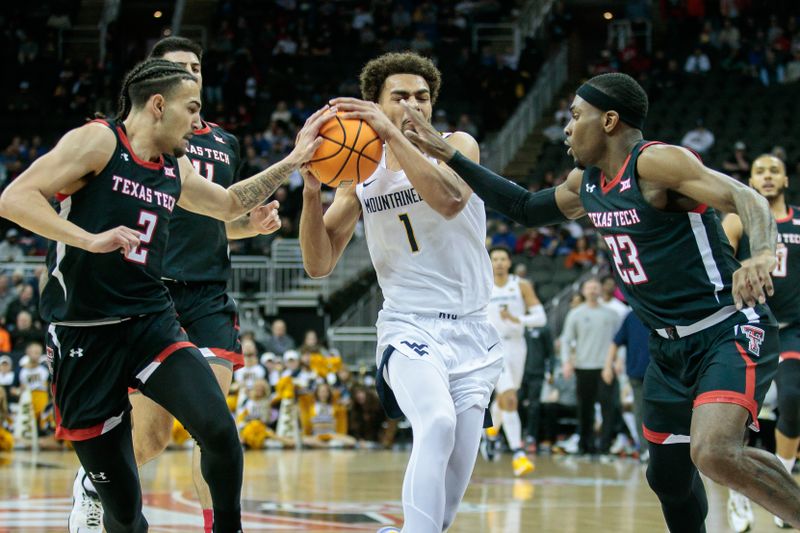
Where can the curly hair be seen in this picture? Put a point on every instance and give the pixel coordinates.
(374, 73)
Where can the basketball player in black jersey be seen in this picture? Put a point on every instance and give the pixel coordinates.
(768, 177)
(196, 269)
(112, 323)
(714, 344)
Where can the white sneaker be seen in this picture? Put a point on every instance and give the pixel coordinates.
(621, 445)
(780, 523)
(87, 512)
(740, 513)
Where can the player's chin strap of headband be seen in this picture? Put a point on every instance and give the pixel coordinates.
(604, 102)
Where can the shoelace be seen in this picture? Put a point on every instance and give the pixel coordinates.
(93, 511)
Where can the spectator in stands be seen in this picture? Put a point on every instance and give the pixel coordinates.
(610, 299)
(323, 422)
(7, 376)
(10, 250)
(465, 124)
(440, 121)
(25, 332)
(588, 331)
(273, 366)
(582, 256)
(24, 302)
(504, 237)
(635, 337)
(793, 66)
(7, 295)
(311, 343)
(529, 243)
(33, 376)
(555, 132)
(251, 372)
(255, 416)
(729, 36)
(697, 63)
(771, 71)
(281, 113)
(700, 139)
(365, 418)
(280, 341)
(737, 165)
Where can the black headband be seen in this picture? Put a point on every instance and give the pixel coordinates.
(605, 102)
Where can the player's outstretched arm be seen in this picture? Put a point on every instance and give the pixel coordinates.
(541, 208)
(263, 220)
(677, 169)
(536, 316)
(201, 196)
(80, 154)
(323, 237)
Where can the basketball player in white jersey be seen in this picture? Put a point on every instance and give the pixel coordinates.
(512, 308)
(438, 355)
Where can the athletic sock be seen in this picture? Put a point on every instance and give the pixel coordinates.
(787, 463)
(512, 426)
(497, 420)
(208, 520)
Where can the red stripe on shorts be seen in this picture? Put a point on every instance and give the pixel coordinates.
(234, 357)
(746, 400)
(790, 355)
(172, 348)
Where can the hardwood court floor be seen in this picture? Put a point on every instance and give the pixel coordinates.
(324, 491)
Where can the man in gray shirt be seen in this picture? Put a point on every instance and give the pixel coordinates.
(588, 331)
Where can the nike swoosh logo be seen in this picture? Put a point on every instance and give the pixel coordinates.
(492, 346)
(368, 183)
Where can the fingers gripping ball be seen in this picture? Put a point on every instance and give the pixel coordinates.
(349, 154)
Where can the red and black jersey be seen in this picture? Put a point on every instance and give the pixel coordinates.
(198, 245)
(87, 288)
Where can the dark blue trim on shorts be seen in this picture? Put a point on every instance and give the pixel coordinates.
(385, 394)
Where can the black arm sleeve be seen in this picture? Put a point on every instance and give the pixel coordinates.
(505, 196)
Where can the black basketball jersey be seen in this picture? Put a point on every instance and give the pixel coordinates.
(674, 268)
(198, 245)
(785, 302)
(89, 288)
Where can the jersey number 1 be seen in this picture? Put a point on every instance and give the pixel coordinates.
(619, 244)
(412, 240)
(148, 221)
(782, 255)
(209, 169)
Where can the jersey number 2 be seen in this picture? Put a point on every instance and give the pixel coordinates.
(148, 221)
(412, 240)
(782, 255)
(619, 244)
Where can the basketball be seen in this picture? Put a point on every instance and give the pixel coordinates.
(349, 154)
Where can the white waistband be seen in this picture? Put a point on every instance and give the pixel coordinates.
(707, 322)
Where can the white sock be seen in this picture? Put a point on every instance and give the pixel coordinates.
(87, 483)
(787, 463)
(512, 427)
(469, 425)
(497, 416)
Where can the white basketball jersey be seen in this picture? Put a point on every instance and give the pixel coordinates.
(509, 296)
(426, 264)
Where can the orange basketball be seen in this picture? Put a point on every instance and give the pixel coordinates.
(349, 154)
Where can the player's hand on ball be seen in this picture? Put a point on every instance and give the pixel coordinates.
(265, 219)
(310, 181)
(120, 238)
(308, 139)
(752, 282)
(367, 111)
(425, 136)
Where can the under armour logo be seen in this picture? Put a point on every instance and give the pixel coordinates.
(590, 188)
(169, 172)
(98, 477)
(419, 348)
(219, 139)
(76, 352)
(125, 156)
(755, 336)
(624, 185)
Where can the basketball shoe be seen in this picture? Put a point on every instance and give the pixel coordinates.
(522, 465)
(390, 529)
(740, 513)
(780, 523)
(87, 512)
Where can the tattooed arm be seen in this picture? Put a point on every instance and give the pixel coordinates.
(202, 196)
(677, 169)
